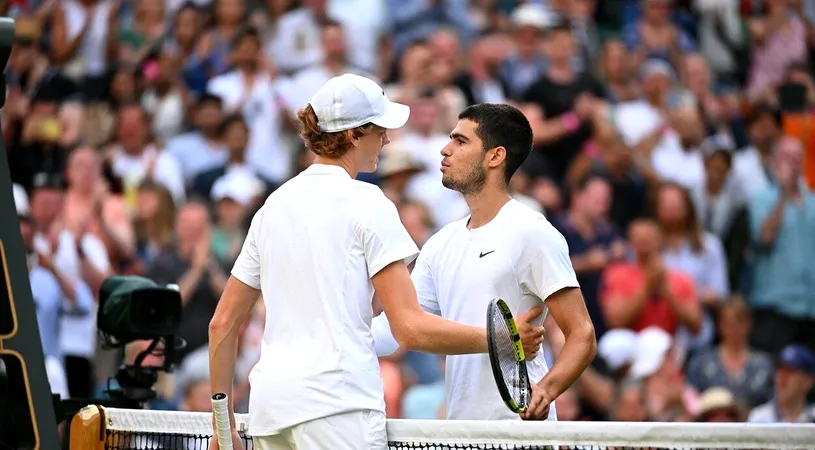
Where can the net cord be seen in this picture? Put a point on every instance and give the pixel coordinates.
(589, 434)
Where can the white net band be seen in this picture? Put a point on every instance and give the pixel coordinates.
(432, 434)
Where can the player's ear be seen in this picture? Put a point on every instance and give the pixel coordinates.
(497, 156)
(352, 138)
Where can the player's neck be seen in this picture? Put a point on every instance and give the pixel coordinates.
(339, 162)
(484, 206)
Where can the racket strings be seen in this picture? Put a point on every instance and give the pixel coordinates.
(507, 361)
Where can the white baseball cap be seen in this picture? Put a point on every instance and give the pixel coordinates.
(617, 347)
(348, 101)
(653, 344)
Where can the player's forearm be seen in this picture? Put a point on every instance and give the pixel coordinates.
(223, 354)
(577, 353)
(432, 334)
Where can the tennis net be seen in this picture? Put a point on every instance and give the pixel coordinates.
(122, 429)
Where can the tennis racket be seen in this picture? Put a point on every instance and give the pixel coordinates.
(220, 409)
(507, 356)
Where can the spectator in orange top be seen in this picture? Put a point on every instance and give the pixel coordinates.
(645, 293)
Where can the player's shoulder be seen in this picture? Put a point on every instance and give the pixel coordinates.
(528, 224)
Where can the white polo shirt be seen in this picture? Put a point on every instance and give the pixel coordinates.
(518, 256)
(312, 250)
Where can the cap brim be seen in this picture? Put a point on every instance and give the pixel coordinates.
(395, 117)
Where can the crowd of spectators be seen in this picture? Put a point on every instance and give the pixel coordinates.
(673, 149)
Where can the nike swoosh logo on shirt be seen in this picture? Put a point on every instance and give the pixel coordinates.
(481, 255)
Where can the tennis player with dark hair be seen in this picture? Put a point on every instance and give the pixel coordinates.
(317, 250)
(503, 249)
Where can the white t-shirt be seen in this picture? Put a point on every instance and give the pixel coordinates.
(312, 250)
(518, 256)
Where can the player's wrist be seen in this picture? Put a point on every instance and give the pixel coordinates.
(549, 391)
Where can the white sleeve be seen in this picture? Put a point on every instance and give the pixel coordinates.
(247, 266)
(544, 267)
(384, 342)
(422, 277)
(384, 239)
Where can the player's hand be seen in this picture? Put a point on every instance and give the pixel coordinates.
(531, 335)
(538, 408)
(237, 443)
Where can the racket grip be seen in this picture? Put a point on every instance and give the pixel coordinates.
(220, 410)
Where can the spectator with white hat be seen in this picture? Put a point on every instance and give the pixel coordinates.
(396, 168)
(233, 195)
(617, 349)
(718, 404)
(656, 364)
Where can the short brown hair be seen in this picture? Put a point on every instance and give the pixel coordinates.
(330, 145)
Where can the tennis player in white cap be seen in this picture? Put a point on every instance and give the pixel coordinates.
(316, 251)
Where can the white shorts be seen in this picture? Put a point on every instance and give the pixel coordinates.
(356, 430)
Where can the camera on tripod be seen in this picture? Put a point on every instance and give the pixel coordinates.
(133, 308)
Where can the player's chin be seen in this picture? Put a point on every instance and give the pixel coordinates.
(369, 168)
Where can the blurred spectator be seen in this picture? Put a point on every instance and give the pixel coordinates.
(721, 205)
(629, 175)
(717, 404)
(201, 149)
(779, 40)
(482, 82)
(695, 252)
(396, 167)
(630, 403)
(656, 364)
(782, 218)
(722, 38)
(334, 62)
(154, 221)
(233, 132)
(53, 293)
(79, 43)
(134, 156)
(425, 143)
(654, 36)
(90, 208)
(566, 100)
(527, 63)
(753, 165)
(232, 194)
(250, 89)
(793, 380)
(164, 98)
(616, 74)
(200, 277)
(646, 293)
(747, 373)
(593, 242)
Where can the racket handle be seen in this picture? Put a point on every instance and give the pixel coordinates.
(223, 432)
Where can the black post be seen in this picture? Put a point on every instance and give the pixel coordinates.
(27, 417)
